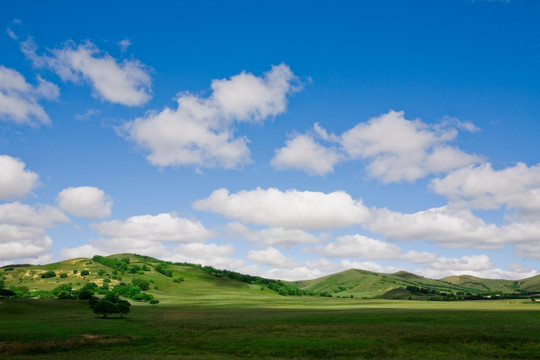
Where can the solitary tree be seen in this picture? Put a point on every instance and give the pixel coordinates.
(105, 308)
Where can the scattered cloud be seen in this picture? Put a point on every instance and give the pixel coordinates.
(291, 209)
(127, 82)
(200, 131)
(398, 149)
(85, 201)
(124, 44)
(395, 149)
(271, 257)
(23, 230)
(215, 255)
(302, 152)
(360, 246)
(167, 227)
(273, 236)
(443, 225)
(480, 187)
(19, 99)
(15, 180)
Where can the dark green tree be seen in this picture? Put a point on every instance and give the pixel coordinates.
(105, 308)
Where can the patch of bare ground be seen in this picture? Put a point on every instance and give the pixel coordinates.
(10, 348)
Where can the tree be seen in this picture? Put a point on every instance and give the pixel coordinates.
(123, 307)
(105, 308)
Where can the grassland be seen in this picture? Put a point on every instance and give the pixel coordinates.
(281, 328)
(209, 317)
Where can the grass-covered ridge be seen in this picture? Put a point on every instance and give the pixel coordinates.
(143, 278)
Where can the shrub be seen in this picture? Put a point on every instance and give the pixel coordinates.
(63, 275)
(48, 274)
(85, 272)
(141, 283)
(9, 268)
(153, 301)
(162, 269)
(178, 279)
(75, 271)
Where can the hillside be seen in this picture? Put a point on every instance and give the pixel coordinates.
(187, 283)
(403, 285)
(193, 284)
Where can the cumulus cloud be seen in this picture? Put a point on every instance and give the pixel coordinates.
(19, 99)
(85, 201)
(474, 265)
(273, 236)
(15, 180)
(481, 187)
(398, 149)
(292, 274)
(291, 209)
(394, 149)
(23, 230)
(303, 152)
(127, 82)
(200, 131)
(360, 246)
(448, 227)
(86, 251)
(219, 256)
(153, 229)
(271, 257)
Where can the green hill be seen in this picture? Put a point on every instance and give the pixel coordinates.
(194, 284)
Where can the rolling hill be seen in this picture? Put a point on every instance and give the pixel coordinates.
(194, 284)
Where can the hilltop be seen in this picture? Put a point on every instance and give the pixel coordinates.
(144, 278)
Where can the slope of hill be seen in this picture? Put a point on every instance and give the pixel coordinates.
(187, 283)
(485, 285)
(194, 284)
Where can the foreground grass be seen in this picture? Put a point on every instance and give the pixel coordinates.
(281, 328)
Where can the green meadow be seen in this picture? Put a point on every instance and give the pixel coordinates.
(205, 316)
(291, 328)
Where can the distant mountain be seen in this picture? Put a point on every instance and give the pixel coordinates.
(183, 282)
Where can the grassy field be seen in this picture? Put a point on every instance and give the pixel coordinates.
(273, 328)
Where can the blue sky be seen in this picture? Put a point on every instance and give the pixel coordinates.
(284, 139)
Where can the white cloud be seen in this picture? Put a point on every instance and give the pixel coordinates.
(292, 274)
(395, 149)
(360, 246)
(153, 229)
(398, 149)
(271, 257)
(124, 44)
(218, 256)
(19, 100)
(292, 209)
(443, 225)
(200, 131)
(127, 83)
(367, 248)
(85, 201)
(304, 153)
(86, 251)
(481, 187)
(23, 230)
(274, 236)
(15, 180)
(474, 265)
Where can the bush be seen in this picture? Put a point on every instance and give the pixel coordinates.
(75, 271)
(9, 268)
(153, 301)
(85, 272)
(63, 291)
(179, 279)
(141, 283)
(48, 274)
(63, 275)
(162, 269)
